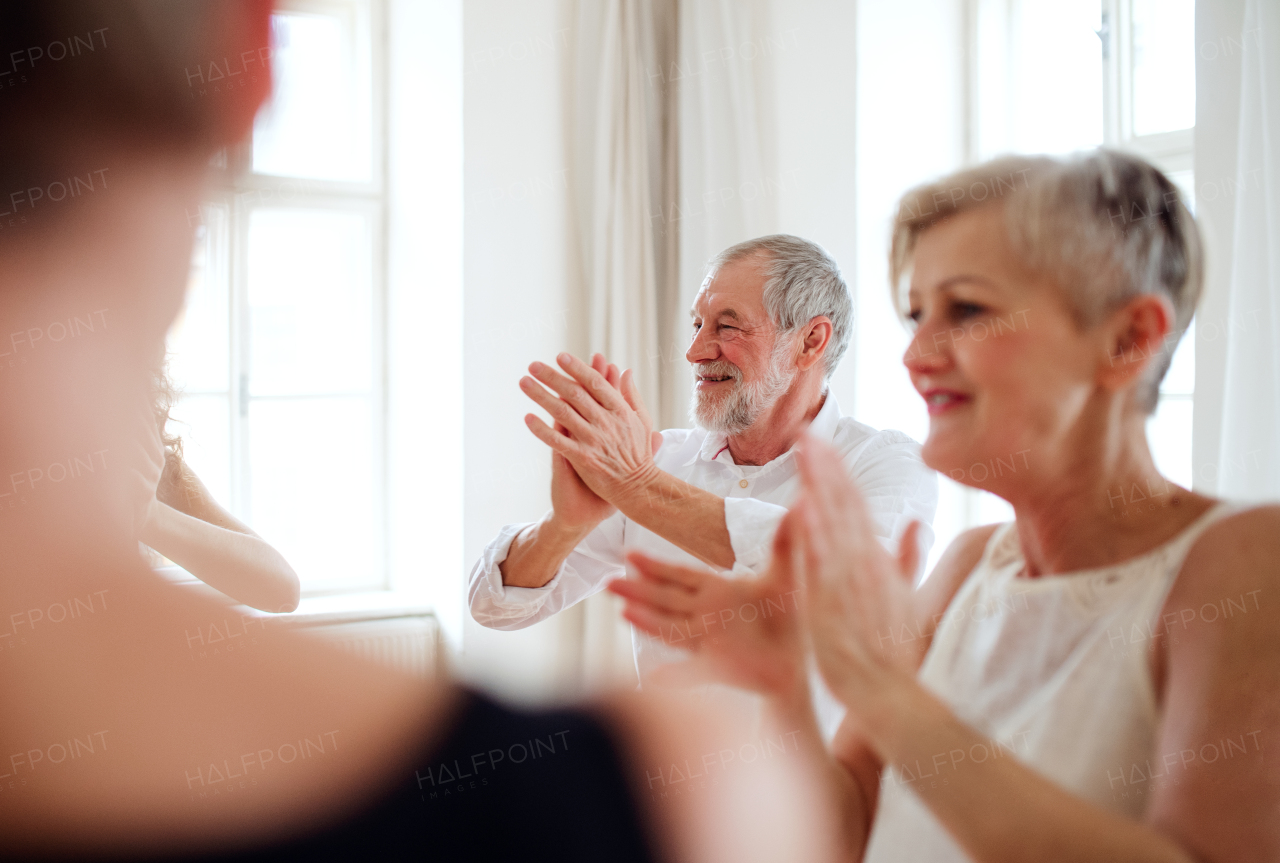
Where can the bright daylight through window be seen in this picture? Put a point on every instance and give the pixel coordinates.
(278, 355)
(1042, 76)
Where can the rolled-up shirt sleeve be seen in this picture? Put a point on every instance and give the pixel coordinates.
(751, 524)
(895, 483)
(590, 566)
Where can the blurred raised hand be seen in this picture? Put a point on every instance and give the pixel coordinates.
(858, 597)
(746, 632)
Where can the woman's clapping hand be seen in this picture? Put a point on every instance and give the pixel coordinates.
(747, 632)
(858, 597)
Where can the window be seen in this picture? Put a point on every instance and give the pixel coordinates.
(1051, 76)
(1149, 57)
(1082, 73)
(280, 353)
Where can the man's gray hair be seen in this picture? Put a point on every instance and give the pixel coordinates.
(801, 283)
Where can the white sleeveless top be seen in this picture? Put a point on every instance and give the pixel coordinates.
(1053, 671)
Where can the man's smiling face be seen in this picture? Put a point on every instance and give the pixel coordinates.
(741, 365)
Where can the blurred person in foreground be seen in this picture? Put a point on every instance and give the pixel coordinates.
(117, 740)
(1098, 679)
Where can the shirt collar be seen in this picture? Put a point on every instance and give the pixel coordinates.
(827, 421)
(712, 443)
(823, 427)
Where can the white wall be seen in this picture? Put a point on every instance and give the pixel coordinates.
(815, 78)
(848, 145)
(520, 299)
(424, 303)
(910, 129)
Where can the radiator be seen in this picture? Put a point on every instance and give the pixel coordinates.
(406, 636)
(411, 644)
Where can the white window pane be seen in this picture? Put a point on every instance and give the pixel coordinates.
(204, 424)
(1057, 76)
(310, 302)
(1169, 436)
(1164, 66)
(312, 493)
(1181, 379)
(198, 340)
(319, 121)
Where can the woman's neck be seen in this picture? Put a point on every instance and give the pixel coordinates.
(1104, 503)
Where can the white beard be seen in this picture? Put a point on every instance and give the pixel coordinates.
(736, 412)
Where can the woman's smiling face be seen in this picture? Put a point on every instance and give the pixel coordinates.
(997, 354)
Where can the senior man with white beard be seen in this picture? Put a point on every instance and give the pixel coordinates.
(770, 323)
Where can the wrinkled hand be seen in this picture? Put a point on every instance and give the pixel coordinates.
(575, 504)
(573, 501)
(858, 598)
(601, 428)
(747, 632)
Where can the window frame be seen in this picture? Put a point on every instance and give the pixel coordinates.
(240, 190)
(1172, 152)
(986, 22)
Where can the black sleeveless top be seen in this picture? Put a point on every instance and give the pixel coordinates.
(505, 785)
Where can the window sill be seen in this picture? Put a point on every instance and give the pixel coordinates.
(315, 610)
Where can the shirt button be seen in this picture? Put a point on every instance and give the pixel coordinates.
(742, 483)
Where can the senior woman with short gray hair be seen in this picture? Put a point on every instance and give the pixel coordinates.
(1096, 680)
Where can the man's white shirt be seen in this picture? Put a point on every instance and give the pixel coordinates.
(885, 465)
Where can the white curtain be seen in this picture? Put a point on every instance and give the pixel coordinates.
(673, 157)
(624, 166)
(728, 152)
(1248, 461)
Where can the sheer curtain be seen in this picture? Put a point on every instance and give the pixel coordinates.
(1248, 463)
(728, 150)
(1236, 419)
(624, 167)
(672, 141)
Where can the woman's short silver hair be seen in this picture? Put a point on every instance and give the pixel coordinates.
(1105, 226)
(801, 282)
